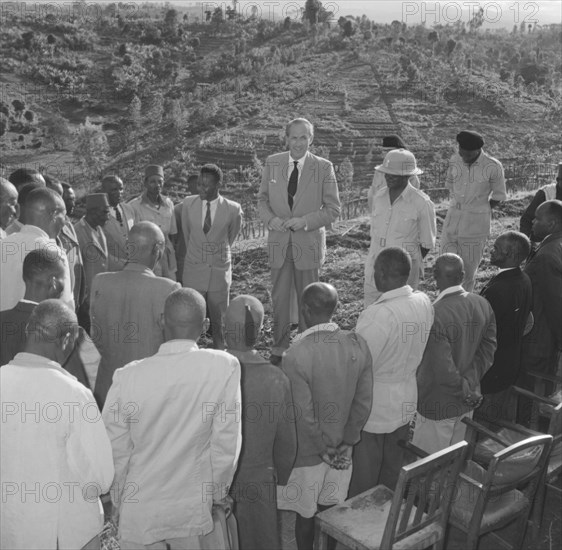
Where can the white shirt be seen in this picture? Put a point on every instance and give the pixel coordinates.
(53, 446)
(449, 290)
(214, 203)
(174, 420)
(14, 249)
(396, 328)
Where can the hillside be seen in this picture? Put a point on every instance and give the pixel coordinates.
(85, 93)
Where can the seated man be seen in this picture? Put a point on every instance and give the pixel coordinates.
(55, 454)
(270, 440)
(174, 424)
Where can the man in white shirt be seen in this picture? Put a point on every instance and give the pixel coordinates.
(210, 224)
(55, 454)
(395, 328)
(401, 216)
(43, 216)
(174, 420)
(476, 184)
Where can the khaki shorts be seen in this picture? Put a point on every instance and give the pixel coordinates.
(309, 486)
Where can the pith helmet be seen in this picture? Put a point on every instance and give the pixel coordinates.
(399, 162)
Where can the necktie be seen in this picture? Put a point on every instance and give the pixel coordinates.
(293, 180)
(118, 216)
(207, 222)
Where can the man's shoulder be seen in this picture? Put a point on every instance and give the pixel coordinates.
(233, 205)
(321, 161)
(278, 157)
(419, 196)
(491, 159)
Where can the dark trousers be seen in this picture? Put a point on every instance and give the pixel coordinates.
(377, 460)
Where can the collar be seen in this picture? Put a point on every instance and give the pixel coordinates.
(2, 233)
(178, 346)
(550, 237)
(34, 230)
(134, 266)
(507, 269)
(95, 229)
(322, 327)
(405, 290)
(144, 198)
(24, 301)
(248, 356)
(449, 290)
(300, 161)
(212, 203)
(25, 359)
(406, 194)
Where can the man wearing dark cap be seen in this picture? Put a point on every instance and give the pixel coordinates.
(270, 439)
(120, 221)
(393, 141)
(476, 184)
(154, 207)
(93, 246)
(547, 193)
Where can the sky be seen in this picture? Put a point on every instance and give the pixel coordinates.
(500, 13)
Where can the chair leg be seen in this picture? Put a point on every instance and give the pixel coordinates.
(320, 539)
(472, 541)
(537, 512)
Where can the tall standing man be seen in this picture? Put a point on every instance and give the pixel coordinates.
(210, 225)
(154, 207)
(298, 198)
(476, 184)
(120, 220)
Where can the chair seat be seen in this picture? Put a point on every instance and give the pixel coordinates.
(359, 522)
(498, 509)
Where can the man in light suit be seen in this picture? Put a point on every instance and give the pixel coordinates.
(298, 198)
(119, 223)
(126, 306)
(210, 224)
(93, 247)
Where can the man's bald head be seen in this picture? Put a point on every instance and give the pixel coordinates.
(21, 176)
(548, 219)
(392, 269)
(184, 315)
(243, 322)
(45, 209)
(319, 301)
(51, 330)
(448, 271)
(8, 203)
(145, 244)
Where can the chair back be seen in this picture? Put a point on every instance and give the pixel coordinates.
(423, 495)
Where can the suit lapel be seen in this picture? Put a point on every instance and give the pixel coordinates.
(197, 217)
(221, 214)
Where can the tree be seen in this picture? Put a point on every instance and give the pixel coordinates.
(156, 108)
(477, 20)
(134, 112)
(312, 11)
(57, 131)
(171, 22)
(91, 151)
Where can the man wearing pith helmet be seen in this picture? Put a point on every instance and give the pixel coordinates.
(401, 216)
(154, 207)
(476, 184)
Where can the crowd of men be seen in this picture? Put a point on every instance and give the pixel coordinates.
(106, 394)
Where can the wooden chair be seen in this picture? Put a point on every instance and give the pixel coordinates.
(413, 516)
(490, 498)
(545, 417)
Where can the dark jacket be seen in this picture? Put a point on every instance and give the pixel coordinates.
(460, 349)
(511, 296)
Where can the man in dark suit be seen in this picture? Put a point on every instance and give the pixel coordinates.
(44, 277)
(511, 296)
(298, 198)
(542, 345)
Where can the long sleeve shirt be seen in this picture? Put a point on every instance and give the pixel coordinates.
(396, 328)
(55, 457)
(174, 420)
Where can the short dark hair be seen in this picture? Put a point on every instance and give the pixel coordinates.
(214, 170)
(395, 262)
(519, 243)
(554, 211)
(26, 189)
(41, 261)
(21, 176)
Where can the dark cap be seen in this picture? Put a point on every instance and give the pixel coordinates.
(470, 141)
(153, 170)
(394, 141)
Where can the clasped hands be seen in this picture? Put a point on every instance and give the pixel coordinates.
(288, 224)
(338, 457)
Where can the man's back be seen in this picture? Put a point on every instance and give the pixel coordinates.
(125, 309)
(331, 378)
(174, 422)
(459, 351)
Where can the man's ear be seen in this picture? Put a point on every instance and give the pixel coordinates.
(68, 341)
(206, 325)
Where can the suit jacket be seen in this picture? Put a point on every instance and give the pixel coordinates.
(207, 264)
(13, 323)
(93, 246)
(316, 200)
(460, 349)
(125, 308)
(511, 295)
(69, 242)
(180, 241)
(544, 268)
(116, 237)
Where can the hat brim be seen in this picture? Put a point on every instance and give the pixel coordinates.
(414, 172)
